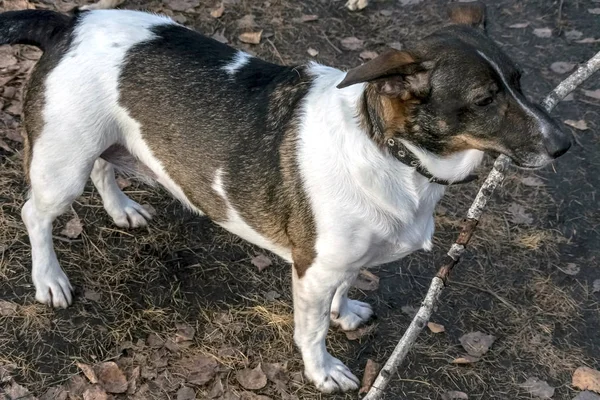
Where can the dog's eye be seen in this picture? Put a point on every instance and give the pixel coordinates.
(486, 101)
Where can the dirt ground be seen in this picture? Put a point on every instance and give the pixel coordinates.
(528, 278)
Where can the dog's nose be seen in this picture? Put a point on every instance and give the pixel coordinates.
(557, 143)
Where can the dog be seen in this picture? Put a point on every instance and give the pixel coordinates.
(330, 170)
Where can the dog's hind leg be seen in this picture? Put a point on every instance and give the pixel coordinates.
(125, 212)
(59, 169)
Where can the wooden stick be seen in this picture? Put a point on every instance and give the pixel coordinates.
(495, 177)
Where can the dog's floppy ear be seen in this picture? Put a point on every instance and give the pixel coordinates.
(472, 14)
(395, 73)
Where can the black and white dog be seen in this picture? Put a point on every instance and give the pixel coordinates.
(332, 171)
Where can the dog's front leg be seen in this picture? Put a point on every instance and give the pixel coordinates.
(314, 290)
(347, 313)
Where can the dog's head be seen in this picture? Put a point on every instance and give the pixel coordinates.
(457, 90)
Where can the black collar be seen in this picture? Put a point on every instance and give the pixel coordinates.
(407, 157)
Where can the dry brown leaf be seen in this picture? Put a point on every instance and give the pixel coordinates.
(186, 393)
(7, 308)
(103, 5)
(594, 10)
(73, 228)
(476, 343)
(92, 295)
(252, 378)
(154, 341)
(520, 25)
(218, 12)
(395, 45)
(276, 372)
(312, 52)
(123, 182)
(216, 389)
(261, 262)
(184, 333)
(436, 328)
(594, 94)
(16, 391)
(587, 396)
(532, 181)
(356, 5)
(586, 378)
(132, 380)
(246, 22)
(538, 388)
(573, 35)
(360, 332)
(596, 286)
(77, 385)
(571, 269)
(366, 281)
(466, 359)
(562, 67)
(309, 18)
(410, 310)
(455, 395)
(16, 5)
(55, 393)
(371, 371)
(386, 13)
(219, 37)
(250, 37)
(588, 40)
(182, 5)
(7, 57)
(88, 371)
(368, 55)
(111, 377)
(253, 396)
(352, 43)
(542, 32)
(6, 373)
(518, 215)
(580, 124)
(200, 369)
(95, 393)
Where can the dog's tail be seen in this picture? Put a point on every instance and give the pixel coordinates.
(40, 28)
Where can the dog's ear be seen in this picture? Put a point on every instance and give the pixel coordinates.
(472, 14)
(395, 73)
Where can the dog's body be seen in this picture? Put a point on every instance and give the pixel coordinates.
(277, 155)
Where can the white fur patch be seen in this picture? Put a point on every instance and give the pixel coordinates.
(239, 60)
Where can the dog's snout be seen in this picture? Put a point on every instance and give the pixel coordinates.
(557, 142)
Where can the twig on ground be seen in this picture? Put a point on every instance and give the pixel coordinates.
(495, 177)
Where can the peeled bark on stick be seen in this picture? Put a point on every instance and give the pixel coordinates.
(495, 177)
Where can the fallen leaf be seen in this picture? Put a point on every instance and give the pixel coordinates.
(218, 12)
(466, 359)
(371, 371)
(271, 295)
(261, 262)
(88, 371)
(182, 5)
(542, 32)
(571, 269)
(595, 94)
(409, 2)
(436, 328)
(200, 369)
(455, 395)
(520, 25)
(519, 215)
(123, 182)
(586, 378)
(573, 35)
(229, 395)
(368, 55)
(594, 10)
(538, 388)
(95, 393)
(366, 281)
(352, 43)
(246, 22)
(103, 5)
(410, 310)
(6, 373)
(356, 5)
(252, 378)
(395, 45)
(92, 295)
(312, 52)
(7, 308)
(13, 5)
(220, 38)
(596, 286)
(186, 393)
(55, 393)
(580, 124)
(360, 332)
(6, 147)
(586, 396)
(588, 40)
(216, 389)
(111, 377)
(309, 18)
(250, 37)
(253, 396)
(386, 13)
(16, 391)
(73, 228)
(562, 67)
(476, 343)
(7, 57)
(76, 386)
(132, 382)
(532, 181)
(171, 346)
(184, 333)
(276, 372)
(154, 341)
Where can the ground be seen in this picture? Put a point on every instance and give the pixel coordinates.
(527, 278)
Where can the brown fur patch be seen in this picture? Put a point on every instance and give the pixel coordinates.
(472, 13)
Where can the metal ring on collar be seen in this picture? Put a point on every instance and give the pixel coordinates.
(391, 142)
(414, 163)
(401, 153)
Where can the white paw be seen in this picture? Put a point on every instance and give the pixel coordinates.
(331, 376)
(353, 314)
(128, 214)
(52, 287)
(354, 5)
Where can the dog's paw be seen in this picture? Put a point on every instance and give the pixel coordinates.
(355, 5)
(332, 376)
(52, 287)
(354, 313)
(128, 214)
